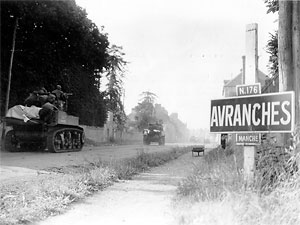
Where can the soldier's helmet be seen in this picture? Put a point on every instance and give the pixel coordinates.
(51, 98)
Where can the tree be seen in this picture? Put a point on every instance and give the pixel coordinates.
(145, 111)
(114, 92)
(288, 51)
(289, 54)
(56, 44)
(148, 97)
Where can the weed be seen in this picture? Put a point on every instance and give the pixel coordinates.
(219, 196)
(273, 165)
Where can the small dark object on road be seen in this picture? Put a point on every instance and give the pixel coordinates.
(198, 149)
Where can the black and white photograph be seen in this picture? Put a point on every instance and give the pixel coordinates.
(150, 112)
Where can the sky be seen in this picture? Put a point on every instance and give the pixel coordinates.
(181, 50)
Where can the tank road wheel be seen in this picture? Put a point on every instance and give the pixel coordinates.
(65, 140)
(11, 142)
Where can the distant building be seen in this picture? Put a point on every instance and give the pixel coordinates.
(229, 88)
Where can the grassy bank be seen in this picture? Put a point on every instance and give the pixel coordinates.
(217, 194)
(50, 194)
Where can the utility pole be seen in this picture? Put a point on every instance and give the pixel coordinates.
(289, 55)
(9, 83)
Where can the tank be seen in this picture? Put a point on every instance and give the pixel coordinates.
(63, 134)
(154, 133)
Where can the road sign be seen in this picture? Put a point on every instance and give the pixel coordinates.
(253, 89)
(248, 139)
(253, 114)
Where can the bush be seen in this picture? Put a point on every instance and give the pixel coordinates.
(212, 178)
(219, 196)
(273, 165)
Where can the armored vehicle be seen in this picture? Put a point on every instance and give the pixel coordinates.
(154, 133)
(62, 134)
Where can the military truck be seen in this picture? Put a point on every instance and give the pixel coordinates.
(154, 133)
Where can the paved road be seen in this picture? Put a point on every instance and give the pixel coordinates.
(16, 164)
(43, 160)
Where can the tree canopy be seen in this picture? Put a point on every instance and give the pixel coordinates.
(56, 43)
(145, 111)
(114, 92)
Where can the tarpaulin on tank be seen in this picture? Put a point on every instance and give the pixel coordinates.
(23, 112)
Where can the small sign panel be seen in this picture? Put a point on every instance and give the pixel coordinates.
(253, 89)
(248, 139)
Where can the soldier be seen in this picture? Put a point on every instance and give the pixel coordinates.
(32, 99)
(37, 98)
(47, 113)
(43, 95)
(59, 93)
(60, 97)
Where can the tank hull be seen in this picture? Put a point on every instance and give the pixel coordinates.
(62, 135)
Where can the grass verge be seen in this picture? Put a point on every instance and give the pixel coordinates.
(51, 194)
(217, 194)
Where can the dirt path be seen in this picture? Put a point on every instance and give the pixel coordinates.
(147, 199)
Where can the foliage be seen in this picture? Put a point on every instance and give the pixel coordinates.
(272, 49)
(212, 178)
(273, 165)
(148, 97)
(272, 45)
(280, 207)
(145, 111)
(55, 44)
(115, 74)
(129, 167)
(272, 5)
(49, 194)
(215, 193)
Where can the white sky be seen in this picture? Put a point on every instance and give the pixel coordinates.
(181, 50)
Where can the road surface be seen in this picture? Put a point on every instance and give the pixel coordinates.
(16, 164)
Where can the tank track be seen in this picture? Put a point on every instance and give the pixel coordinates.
(65, 139)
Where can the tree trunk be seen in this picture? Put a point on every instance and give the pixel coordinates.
(289, 58)
(285, 46)
(296, 54)
(296, 66)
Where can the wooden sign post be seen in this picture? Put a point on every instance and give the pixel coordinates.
(251, 69)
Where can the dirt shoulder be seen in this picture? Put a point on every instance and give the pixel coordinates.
(146, 199)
